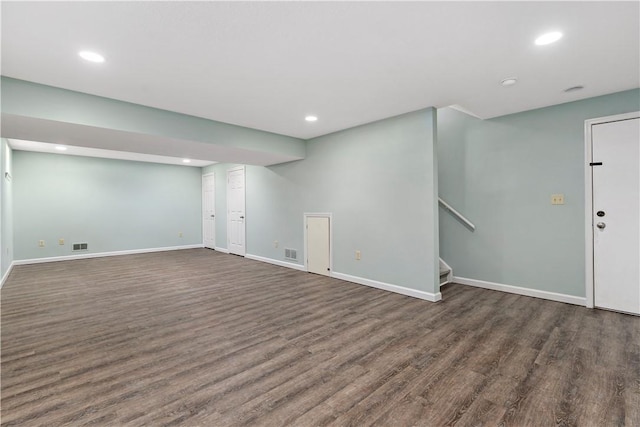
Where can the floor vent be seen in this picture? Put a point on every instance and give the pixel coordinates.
(291, 253)
(80, 246)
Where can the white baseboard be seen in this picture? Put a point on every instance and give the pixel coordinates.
(569, 299)
(276, 262)
(6, 275)
(223, 250)
(359, 280)
(389, 287)
(103, 254)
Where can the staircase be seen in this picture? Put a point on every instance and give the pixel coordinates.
(446, 274)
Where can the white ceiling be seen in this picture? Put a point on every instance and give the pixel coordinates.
(266, 65)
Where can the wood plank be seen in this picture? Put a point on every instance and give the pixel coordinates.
(196, 337)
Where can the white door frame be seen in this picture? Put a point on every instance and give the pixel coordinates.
(244, 188)
(319, 215)
(214, 207)
(588, 197)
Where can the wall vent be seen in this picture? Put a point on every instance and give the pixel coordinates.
(291, 253)
(80, 246)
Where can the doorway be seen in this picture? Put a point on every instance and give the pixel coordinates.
(613, 213)
(209, 211)
(236, 211)
(317, 236)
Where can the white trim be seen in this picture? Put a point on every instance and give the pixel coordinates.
(359, 280)
(223, 250)
(103, 254)
(588, 198)
(212, 174)
(569, 299)
(6, 275)
(304, 233)
(449, 274)
(445, 264)
(276, 262)
(244, 206)
(389, 287)
(588, 222)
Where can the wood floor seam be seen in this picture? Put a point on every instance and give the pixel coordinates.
(201, 338)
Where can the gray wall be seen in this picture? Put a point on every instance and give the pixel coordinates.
(40, 102)
(113, 205)
(500, 174)
(378, 180)
(6, 208)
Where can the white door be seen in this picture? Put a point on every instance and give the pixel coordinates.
(318, 245)
(616, 215)
(235, 211)
(208, 211)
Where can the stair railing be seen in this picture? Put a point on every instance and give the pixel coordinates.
(457, 214)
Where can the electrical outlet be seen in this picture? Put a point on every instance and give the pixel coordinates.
(358, 255)
(557, 199)
(180, 234)
(275, 243)
(41, 243)
(61, 242)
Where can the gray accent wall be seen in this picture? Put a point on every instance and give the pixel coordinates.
(6, 208)
(378, 180)
(500, 174)
(113, 205)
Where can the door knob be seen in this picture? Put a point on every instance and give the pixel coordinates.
(601, 225)
(241, 217)
(213, 216)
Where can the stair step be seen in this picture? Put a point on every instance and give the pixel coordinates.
(444, 272)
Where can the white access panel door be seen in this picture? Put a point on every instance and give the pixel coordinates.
(318, 245)
(616, 215)
(209, 211)
(235, 211)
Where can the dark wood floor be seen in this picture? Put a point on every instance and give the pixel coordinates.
(199, 338)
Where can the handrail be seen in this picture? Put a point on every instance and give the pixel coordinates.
(457, 214)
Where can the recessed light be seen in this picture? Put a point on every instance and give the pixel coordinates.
(186, 161)
(509, 81)
(574, 88)
(87, 55)
(311, 118)
(549, 38)
(61, 148)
